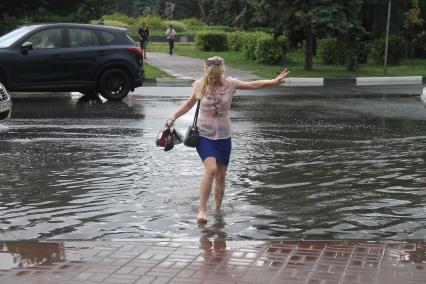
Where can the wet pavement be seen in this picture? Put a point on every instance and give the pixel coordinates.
(84, 176)
(301, 168)
(213, 261)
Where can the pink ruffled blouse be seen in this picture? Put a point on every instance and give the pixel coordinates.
(214, 121)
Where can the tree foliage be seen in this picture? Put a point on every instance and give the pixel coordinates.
(168, 9)
(414, 27)
(26, 11)
(309, 19)
(352, 23)
(220, 12)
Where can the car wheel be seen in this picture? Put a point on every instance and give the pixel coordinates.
(114, 84)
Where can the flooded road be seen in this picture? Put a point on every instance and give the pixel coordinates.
(312, 168)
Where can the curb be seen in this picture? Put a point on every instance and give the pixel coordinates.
(168, 82)
(353, 82)
(319, 82)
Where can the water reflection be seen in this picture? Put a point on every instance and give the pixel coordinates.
(28, 254)
(79, 107)
(341, 172)
(213, 245)
(300, 169)
(213, 238)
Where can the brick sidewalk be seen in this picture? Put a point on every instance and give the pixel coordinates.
(213, 261)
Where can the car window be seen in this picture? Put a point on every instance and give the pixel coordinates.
(10, 38)
(107, 36)
(50, 38)
(83, 38)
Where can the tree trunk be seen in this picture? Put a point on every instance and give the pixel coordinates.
(309, 50)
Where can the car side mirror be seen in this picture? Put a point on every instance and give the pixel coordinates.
(26, 46)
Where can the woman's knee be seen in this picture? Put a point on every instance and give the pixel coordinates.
(211, 170)
(220, 176)
(220, 172)
(210, 167)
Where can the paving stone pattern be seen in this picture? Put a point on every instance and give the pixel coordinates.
(215, 261)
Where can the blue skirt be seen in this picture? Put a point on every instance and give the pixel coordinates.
(219, 149)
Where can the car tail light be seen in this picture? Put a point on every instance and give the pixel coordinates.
(135, 50)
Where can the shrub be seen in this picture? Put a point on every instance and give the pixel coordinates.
(153, 22)
(327, 50)
(222, 28)
(158, 24)
(178, 26)
(249, 44)
(235, 41)
(211, 41)
(117, 17)
(193, 23)
(115, 23)
(270, 50)
(332, 51)
(395, 53)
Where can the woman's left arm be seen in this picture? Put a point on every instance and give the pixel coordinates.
(259, 84)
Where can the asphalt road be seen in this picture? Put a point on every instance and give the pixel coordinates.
(163, 88)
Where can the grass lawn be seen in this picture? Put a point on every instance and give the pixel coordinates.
(415, 67)
(154, 72)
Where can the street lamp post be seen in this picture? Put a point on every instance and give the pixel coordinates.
(387, 36)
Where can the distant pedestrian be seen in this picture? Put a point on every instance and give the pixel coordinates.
(215, 93)
(143, 38)
(170, 35)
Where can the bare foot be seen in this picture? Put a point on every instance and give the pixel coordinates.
(202, 216)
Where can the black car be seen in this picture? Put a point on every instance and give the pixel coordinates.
(64, 57)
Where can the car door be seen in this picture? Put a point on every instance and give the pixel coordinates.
(43, 66)
(83, 55)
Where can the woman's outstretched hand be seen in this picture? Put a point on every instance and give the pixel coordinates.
(280, 78)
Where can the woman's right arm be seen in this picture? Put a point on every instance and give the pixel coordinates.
(184, 108)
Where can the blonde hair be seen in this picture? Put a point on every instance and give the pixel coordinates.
(211, 70)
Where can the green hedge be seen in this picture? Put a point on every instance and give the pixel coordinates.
(222, 28)
(262, 47)
(396, 50)
(249, 44)
(211, 41)
(270, 50)
(177, 25)
(235, 41)
(117, 17)
(193, 24)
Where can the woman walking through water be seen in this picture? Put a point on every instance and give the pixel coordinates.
(215, 93)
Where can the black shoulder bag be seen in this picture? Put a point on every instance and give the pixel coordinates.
(192, 136)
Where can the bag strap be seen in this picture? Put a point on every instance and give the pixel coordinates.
(194, 123)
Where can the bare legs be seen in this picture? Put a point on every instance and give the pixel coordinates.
(219, 186)
(213, 170)
(210, 169)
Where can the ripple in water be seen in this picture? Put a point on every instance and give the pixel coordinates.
(292, 175)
